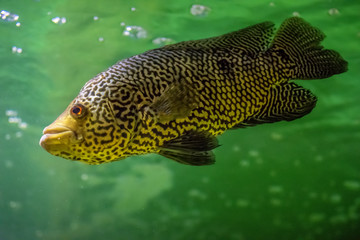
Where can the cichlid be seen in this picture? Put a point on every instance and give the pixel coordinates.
(176, 99)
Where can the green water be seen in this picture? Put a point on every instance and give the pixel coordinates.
(290, 180)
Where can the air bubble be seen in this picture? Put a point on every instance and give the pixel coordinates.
(236, 148)
(205, 180)
(352, 185)
(253, 153)
(11, 113)
(96, 18)
(84, 177)
(276, 136)
(242, 203)
(39, 234)
(23, 125)
(273, 173)
(59, 20)
(244, 163)
(14, 120)
(297, 163)
(195, 193)
(7, 137)
(275, 202)
(316, 217)
(319, 158)
(275, 189)
(259, 161)
(15, 205)
(161, 41)
(335, 198)
(199, 10)
(133, 9)
(338, 219)
(100, 39)
(135, 32)
(9, 164)
(333, 12)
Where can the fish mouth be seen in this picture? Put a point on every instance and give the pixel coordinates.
(58, 138)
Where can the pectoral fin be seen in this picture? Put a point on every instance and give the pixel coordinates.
(192, 148)
(176, 102)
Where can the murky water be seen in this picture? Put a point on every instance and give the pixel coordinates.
(289, 180)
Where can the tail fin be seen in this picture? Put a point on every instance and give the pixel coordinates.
(297, 44)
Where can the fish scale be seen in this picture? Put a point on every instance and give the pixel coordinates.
(175, 100)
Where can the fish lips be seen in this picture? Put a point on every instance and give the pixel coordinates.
(58, 138)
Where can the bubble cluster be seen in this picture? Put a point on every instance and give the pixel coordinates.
(14, 119)
(59, 20)
(135, 32)
(8, 17)
(16, 50)
(199, 10)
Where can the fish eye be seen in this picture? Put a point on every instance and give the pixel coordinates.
(78, 111)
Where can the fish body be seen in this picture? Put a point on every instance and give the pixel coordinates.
(176, 99)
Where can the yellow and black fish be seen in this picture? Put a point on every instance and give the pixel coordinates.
(176, 99)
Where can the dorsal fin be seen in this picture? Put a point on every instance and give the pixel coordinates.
(256, 38)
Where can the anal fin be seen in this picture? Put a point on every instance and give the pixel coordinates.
(287, 101)
(192, 148)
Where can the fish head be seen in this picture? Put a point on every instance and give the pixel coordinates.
(95, 128)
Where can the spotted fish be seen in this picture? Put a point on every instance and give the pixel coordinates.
(176, 99)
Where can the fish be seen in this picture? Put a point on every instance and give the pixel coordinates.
(175, 100)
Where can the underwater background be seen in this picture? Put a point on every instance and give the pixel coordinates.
(295, 180)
